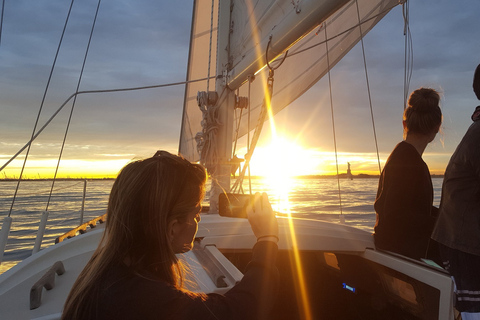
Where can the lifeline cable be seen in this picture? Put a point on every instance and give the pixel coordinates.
(73, 105)
(333, 122)
(368, 90)
(41, 107)
(95, 91)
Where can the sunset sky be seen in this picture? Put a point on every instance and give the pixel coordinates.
(145, 42)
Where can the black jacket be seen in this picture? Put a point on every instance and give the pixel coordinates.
(458, 225)
(127, 295)
(404, 204)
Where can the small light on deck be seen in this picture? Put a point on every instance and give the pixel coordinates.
(349, 288)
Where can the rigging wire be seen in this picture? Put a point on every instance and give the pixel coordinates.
(1, 20)
(263, 114)
(368, 88)
(73, 104)
(41, 106)
(333, 124)
(92, 92)
(258, 130)
(408, 67)
(250, 80)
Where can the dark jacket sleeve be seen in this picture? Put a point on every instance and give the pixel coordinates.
(252, 298)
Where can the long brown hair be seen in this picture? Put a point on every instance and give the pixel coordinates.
(145, 197)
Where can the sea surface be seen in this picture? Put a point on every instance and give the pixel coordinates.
(312, 198)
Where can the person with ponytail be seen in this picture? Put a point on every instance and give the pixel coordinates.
(153, 214)
(404, 202)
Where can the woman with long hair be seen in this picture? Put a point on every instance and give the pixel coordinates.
(152, 215)
(404, 203)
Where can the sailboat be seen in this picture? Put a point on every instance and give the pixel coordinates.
(247, 63)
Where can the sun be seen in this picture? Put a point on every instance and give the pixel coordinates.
(277, 163)
(282, 158)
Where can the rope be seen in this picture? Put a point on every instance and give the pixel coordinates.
(89, 92)
(73, 105)
(239, 182)
(266, 57)
(210, 125)
(333, 122)
(368, 89)
(408, 67)
(41, 106)
(237, 127)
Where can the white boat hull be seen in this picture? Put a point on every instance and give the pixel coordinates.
(317, 256)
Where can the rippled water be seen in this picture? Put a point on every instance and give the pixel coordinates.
(307, 198)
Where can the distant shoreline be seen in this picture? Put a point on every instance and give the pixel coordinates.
(327, 176)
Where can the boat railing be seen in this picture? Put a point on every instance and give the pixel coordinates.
(82, 227)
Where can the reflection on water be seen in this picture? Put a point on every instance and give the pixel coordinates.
(307, 198)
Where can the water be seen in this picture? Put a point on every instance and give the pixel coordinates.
(307, 198)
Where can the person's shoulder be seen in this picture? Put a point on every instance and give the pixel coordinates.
(402, 152)
(471, 139)
(475, 128)
(121, 278)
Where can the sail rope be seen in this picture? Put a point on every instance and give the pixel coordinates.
(41, 107)
(333, 125)
(266, 57)
(207, 138)
(73, 104)
(237, 126)
(368, 89)
(94, 92)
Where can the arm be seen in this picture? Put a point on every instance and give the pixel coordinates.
(254, 296)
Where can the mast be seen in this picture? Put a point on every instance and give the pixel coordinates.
(225, 102)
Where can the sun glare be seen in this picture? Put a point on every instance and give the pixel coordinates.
(282, 158)
(277, 163)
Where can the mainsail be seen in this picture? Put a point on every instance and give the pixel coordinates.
(328, 38)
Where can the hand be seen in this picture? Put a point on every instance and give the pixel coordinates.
(262, 219)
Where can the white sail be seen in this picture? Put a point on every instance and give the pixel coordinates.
(342, 22)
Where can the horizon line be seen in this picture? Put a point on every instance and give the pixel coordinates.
(308, 176)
